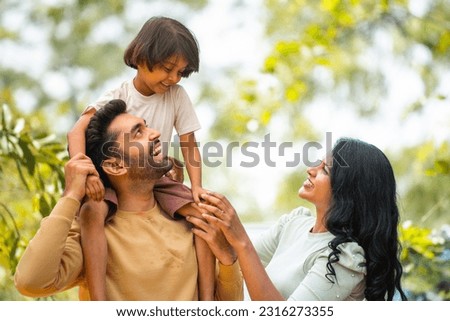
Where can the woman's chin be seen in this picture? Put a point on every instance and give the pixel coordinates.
(302, 193)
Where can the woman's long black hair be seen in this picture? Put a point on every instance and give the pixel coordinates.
(364, 209)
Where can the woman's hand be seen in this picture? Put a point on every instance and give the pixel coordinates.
(215, 239)
(219, 212)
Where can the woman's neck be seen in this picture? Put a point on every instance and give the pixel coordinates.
(319, 226)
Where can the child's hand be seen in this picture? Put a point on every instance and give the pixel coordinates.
(94, 188)
(196, 192)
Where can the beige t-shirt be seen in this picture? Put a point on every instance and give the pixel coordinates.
(150, 257)
(163, 112)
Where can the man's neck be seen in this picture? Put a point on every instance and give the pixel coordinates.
(136, 198)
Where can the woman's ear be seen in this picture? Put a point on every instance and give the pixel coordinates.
(112, 167)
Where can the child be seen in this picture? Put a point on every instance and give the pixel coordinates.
(163, 51)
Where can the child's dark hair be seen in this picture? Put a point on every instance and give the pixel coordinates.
(159, 39)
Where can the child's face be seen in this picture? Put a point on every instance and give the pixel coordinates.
(159, 80)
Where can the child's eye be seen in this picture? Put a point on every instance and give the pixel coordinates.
(167, 69)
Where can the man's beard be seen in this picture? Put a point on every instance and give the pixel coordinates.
(145, 168)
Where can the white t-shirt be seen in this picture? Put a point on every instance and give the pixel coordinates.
(295, 260)
(163, 112)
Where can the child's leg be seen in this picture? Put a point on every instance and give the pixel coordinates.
(95, 250)
(206, 270)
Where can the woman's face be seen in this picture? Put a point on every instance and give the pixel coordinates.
(317, 187)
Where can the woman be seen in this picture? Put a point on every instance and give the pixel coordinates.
(348, 251)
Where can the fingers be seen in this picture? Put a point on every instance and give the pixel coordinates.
(217, 212)
(81, 164)
(208, 224)
(199, 223)
(201, 228)
(196, 198)
(217, 199)
(94, 188)
(97, 187)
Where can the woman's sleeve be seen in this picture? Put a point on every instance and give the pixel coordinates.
(350, 272)
(53, 260)
(267, 243)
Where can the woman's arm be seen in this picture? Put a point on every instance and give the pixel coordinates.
(221, 215)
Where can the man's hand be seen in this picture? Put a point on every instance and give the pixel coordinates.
(76, 171)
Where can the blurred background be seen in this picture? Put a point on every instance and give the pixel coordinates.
(291, 69)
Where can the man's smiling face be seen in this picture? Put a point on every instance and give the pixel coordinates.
(139, 147)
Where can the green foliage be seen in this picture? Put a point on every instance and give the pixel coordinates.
(32, 179)
(324, 46)
(333, 47)
(424, 184)
(32, 157)
(426, 261)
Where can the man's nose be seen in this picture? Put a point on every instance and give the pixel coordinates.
(153, 134)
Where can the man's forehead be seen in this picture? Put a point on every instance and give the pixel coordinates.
(123, 123)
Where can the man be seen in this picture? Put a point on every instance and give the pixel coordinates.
(151, 256)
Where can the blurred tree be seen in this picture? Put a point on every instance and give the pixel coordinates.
(78, 46)
(326, 46)
(32, 180)
(55, 55)
(335, 47)
(342, 49)
(423, 174)
(426, 262)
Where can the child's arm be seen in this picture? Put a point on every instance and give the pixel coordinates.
(92, 217)
(76, 141)
(76, 136)
(193, 161)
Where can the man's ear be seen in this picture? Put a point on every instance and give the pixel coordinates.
(112, 167)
